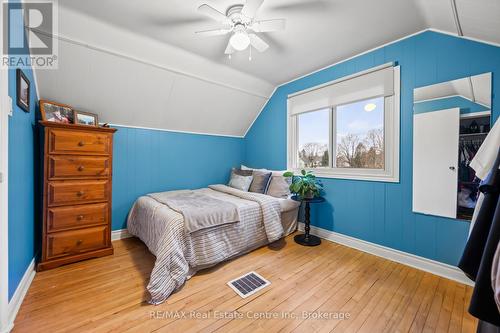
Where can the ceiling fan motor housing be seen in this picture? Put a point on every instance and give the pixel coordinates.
(234, 14)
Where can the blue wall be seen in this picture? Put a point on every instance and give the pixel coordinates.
(465, 105)
(373, 211)
(146, 161)
(21, 183)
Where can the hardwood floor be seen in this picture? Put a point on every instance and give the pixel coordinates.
(329, 288)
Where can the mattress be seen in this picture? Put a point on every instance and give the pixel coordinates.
(180, 254)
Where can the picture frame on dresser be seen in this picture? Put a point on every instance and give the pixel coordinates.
(86, 118)
(56, 112)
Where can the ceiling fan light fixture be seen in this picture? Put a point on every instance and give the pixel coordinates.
(239, 40)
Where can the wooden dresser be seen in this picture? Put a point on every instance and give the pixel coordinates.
(77, 170)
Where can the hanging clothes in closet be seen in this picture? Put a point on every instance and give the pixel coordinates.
(467, 149)
(467, 181)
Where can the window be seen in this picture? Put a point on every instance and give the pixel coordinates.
(314, 139)
(360, 134)
(348, 128)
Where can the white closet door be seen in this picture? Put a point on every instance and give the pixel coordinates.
(435, 162)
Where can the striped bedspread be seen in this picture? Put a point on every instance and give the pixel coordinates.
(179, 254)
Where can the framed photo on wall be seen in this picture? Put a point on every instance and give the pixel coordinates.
(56, 112)
(22, 91)
(86, 118)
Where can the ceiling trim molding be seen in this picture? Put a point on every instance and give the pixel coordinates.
(473, 39)
(353, 56)
(387, 44)
(180, 131)
(148, 63)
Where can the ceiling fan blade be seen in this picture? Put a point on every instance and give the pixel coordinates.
(213, 13)
(250, 8)
(213, 32)
(268, 25)
(258, 43)
(303, 6)
(229, 49)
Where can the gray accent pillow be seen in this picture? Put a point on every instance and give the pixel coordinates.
(240, 182)
(260, 181)
(241, 172)
(279, 187)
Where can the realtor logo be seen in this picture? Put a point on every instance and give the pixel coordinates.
(28, 29)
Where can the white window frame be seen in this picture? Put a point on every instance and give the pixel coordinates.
(390, 173)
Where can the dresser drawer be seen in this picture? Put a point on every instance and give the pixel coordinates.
(73, 166)
(76, 192)
(70, 217)
(76, 241)
(78, 142)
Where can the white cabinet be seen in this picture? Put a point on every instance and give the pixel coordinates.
(435, 162)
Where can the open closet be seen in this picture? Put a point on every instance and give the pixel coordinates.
(451, 121)
(473, 130)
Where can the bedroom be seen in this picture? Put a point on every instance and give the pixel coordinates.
(144, 151)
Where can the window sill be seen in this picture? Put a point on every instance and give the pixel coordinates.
(360, 176)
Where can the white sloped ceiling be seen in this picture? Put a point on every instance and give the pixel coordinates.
(139, 63)
(134, 81)
(479, 19)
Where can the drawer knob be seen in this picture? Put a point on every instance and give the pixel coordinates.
(80, 193)
(79, 217)
(81, 143)
(79, 242)
(81, 167)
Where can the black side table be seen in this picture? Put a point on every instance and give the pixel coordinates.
(306, 239)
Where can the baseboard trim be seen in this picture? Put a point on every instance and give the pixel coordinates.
(120, 234)
(424, 264)
(20, 293)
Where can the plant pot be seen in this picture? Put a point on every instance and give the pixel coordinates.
(309, 195)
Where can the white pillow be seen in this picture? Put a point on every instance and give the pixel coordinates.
(274, 172)
(243, 167)
(240, 182)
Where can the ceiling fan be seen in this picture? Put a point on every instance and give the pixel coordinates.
(240, 22)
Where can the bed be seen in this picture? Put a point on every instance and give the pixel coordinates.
(180, 252)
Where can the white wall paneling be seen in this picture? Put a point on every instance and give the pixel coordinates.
(128, 92)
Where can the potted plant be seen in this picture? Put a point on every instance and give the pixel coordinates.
(304, 185)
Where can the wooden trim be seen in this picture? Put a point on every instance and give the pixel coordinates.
(52, 124)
